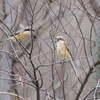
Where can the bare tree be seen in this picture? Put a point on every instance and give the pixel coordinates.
(30, 66)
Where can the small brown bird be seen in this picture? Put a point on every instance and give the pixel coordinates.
(22, 35)
(64, 52)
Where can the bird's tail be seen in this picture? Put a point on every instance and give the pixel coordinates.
(75, 70)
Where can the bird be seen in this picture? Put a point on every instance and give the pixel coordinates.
(61, 47)
(64, 52)
(20, 35)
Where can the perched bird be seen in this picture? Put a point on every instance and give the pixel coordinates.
(62, 49)
(23, 34)
(64, 52)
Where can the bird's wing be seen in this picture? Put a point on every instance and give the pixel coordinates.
(69, 51)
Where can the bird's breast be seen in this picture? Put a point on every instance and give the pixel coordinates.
(62, 50)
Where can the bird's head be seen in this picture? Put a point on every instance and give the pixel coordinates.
(59, 38)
